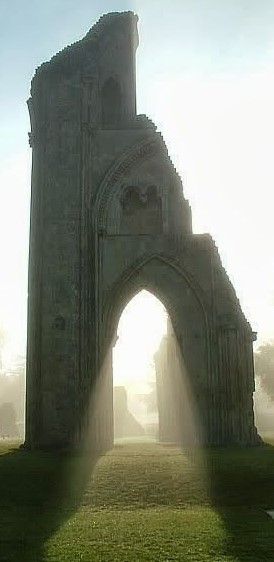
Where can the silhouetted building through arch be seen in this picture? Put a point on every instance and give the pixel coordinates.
(92, 185)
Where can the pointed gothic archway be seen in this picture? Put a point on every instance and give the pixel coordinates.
(142, 328)
(161, 277)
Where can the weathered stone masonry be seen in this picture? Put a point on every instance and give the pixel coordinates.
(108, 218)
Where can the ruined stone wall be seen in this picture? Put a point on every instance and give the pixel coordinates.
(109, 218)
(54, 254)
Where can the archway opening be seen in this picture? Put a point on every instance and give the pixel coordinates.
(147, 381)
(141, 327)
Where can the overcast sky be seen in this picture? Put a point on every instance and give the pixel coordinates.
(205, 75)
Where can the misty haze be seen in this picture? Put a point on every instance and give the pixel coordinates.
(137, 281)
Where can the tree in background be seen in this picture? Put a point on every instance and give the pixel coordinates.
(264, 395)
(150, 399)
(8, 427)
(264, 368)
(12, 390)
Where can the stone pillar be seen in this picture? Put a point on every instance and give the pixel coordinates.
(234, 418)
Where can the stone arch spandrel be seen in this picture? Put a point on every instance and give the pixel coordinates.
(138, 150)
(132, 158)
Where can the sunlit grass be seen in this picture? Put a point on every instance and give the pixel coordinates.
(131, 440)
(141, 501)
(151, 534)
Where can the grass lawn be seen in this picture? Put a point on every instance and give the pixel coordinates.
(139, 502)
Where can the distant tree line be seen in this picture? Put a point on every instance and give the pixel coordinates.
(264, 368)
(8, 425)
(12, 395)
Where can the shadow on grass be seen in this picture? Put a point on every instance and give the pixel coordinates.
(38, 493)
(241, 489)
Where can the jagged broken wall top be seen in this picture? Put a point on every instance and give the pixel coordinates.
(67, 90)
(67, 100)
(85, 53)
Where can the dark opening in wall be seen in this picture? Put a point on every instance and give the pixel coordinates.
(111, 102)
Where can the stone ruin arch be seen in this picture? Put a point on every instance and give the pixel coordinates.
(109, 218)
(144, 275)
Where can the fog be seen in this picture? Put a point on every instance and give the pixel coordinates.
(12, 399)
(141, 328)
(264, 395)
(152, 391)
(205, 76)
(141, 334)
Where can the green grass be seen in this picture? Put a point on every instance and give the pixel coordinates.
(140, 502)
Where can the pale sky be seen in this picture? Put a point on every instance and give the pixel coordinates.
(205, 75)
(140, 331)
